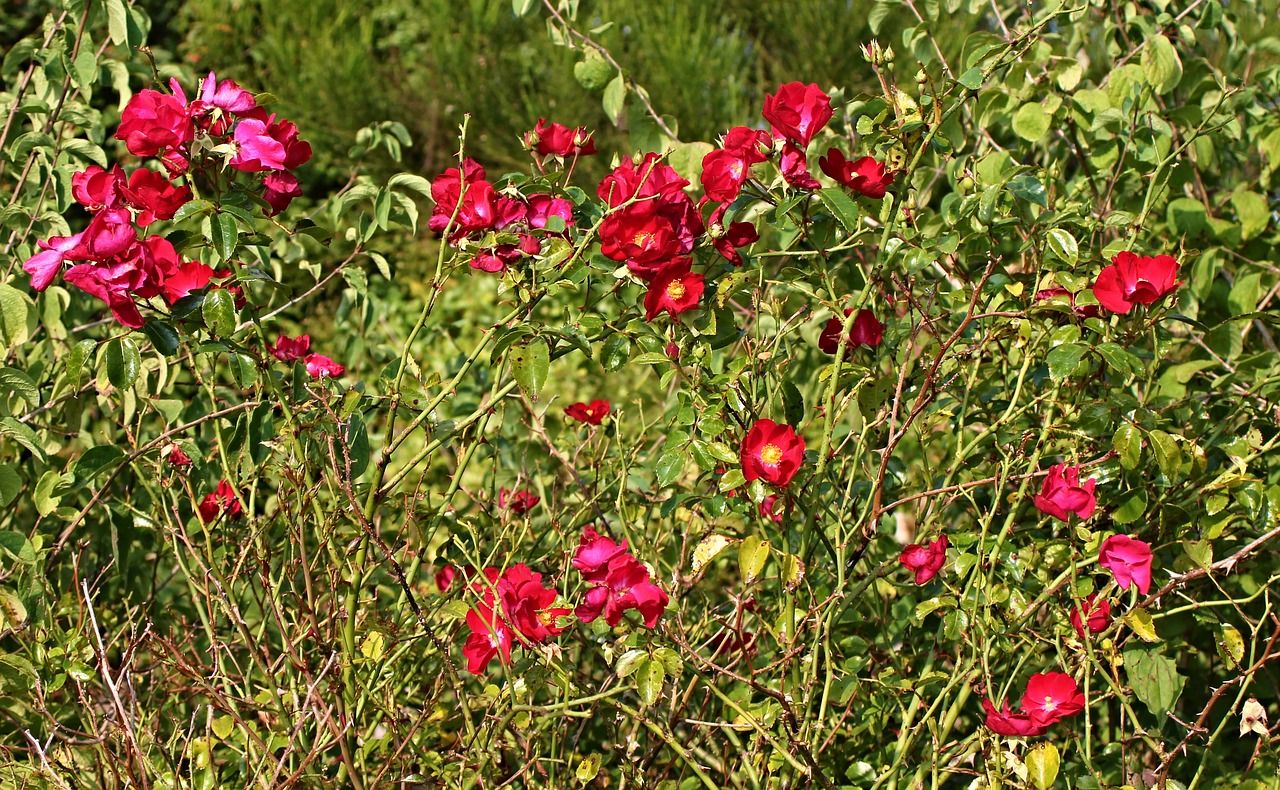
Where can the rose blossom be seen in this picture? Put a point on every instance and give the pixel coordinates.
(674, 290)
(1052, 696)
(1129, 561)
(1094, 613)
(771, 452)
(866, 176)
(1135, 279)
(592, 413)
(925, 561)
(1061, 493)
(865, 331)
(797, 111)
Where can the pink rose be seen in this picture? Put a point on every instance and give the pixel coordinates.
(1129, 561)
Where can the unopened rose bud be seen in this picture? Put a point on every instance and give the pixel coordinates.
(921, 77)
(531, 141)
(873, 52)
(673, 351)
(716, 230)
(888, 54)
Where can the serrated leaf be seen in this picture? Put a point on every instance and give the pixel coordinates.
(10, 485)
(670, 465)
(753, 553)
(163, 336)
(971, 79)
(1127, 443)
(1062, 360)
(123, 362)
(615, 353)
(1140, 622)
(1063, 246)
(1154, 679)
(615, 97)
(223, 233)
(841, 207)
(731, 479)
(649, 680)
(1200, 552)
(1131, 507)
(1251, 210)
(1029, 188)
(1168, 456)
(530, 365)
(1042, 763)
(222, 727)
(1161, 65)
(219, 312)
(630, 662)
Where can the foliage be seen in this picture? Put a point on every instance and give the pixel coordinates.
(865, 476)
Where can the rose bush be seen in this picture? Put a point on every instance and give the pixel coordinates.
(783, 459)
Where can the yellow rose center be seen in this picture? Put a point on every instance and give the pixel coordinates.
(1049, 704)
(771, 455)
(676, 290)
(643, 238)
(546, 617)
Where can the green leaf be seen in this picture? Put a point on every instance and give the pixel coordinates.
(222, 726)
(1063, 359)
(971, 79)
(1028, 188)
(616, 352)
(593, 71)
(20, 550)
(13, 615)
(1140, 622)
(1168, 456)
(1154, 679)
(10, 485)
(95, 460)
(1063, 246)
(1131, 507)
(23, 436)
(670, 660)
(530, 365)
(219, 311)
(15, 382)
(631, 661)
(1200, 552)
(670, 465)
(1244, 293)
(753, 553)
(13, 315)
(649, 681)
(44, 498)
(223, 235)
(1031, 122)
(615, 97)
(1042, 763)
(686, 159)
(1161, 65)
(1251, 209)
(243, 370)
(123, 362)
(731, 480)
(412, 182)
(117, 25)
(1230, 646)
(841, 207)
(1187, 216)
(163, 336)
(75, 360)
(522, 8)
(1127, 443)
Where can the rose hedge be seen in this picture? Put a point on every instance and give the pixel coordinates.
(923, 437)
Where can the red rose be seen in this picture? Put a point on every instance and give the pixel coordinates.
(520, 502)
(1096, 614)
(1135, 279)
(925, 561)
(279, 188)
(1052, 696)
(650, 178)
(626, 585)
(478, 209)
(797, 111)
(866, 176)
(726, 169)
(674, 290)
(592, 413)
(97, 189)
(223, 501)
(176, 457)
(288, 349)
(154, 196)
(1061, 493)
(795, 168)
(153, 122)
(1129, 561)
(559, 140)
(728, 240)
(319, 366)
(1004, 722)
(190, 277)
(595, 552)
(865, 331)
(771, 452)
(490, 636)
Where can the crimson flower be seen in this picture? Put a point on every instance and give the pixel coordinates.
(191, 276)
(769, 508)
(154, 196)
(797, 111)
(543, 207)
(626, 585)
(771, 452)
(45, 265)
(1004, 722)
(650, 177)
(1050, 697)
(467, 194)
(595, 552)
(1129, 561)
(925, 561)
(559, 140)
(795, 168)
(1093, 613)
(520, 502)
(288, 349)
(728, 240)
(1135, 279)
(319, 366)
(268, 145)
(865, 331)
(97, 189)
(591, 413)
(222, 500)
(153, 122)
(490, 636)
(176, 457)
(675, 290)
(279, 188)
(1061, 493)
(866, 176)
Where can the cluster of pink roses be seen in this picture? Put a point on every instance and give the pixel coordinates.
(289, 349)
(1049, 698)
(111, 259)
(514, 609)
